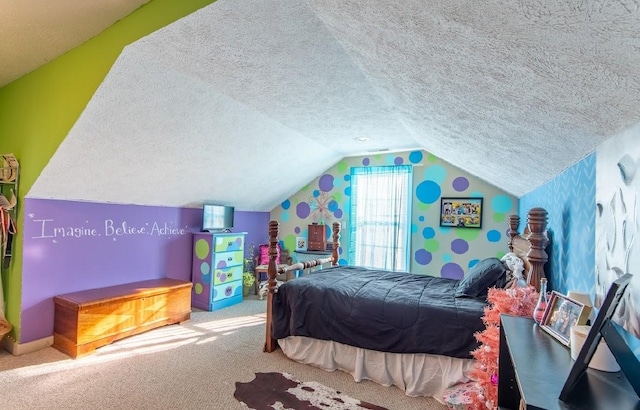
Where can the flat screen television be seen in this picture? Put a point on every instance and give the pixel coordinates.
(217, 217)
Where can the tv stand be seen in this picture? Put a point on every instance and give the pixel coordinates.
(533, 368)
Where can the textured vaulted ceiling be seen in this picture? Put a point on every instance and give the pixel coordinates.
(246, 101)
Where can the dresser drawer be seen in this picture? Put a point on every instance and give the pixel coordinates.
(227, 290)
(223, 260)
(226, 243)
(226, 275)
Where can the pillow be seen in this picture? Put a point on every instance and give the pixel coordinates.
(483, 275)
(263, 256)
(515, 270)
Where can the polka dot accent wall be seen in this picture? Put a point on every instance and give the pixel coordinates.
(435, 250)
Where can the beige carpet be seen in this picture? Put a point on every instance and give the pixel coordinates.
(194, 365)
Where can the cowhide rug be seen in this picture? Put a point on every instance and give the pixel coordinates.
(282, 391)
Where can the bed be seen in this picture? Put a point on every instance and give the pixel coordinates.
(413, 331)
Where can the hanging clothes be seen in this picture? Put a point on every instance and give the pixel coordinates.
(8, 228)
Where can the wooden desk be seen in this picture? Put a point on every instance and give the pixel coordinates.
(534, 366)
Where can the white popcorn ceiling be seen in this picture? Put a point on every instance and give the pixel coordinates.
(244, 102)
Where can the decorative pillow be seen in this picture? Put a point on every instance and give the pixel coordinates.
(515, 272)
(263, 258)
(485, 274)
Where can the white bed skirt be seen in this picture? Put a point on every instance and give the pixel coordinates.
(417, 374)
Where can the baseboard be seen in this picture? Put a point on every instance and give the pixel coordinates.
(18, 349)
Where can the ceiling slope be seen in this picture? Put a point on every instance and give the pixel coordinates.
(225, 105)
(496, 86)
(265, 95)
(36, 32)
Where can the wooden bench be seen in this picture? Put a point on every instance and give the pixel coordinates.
(93, 318)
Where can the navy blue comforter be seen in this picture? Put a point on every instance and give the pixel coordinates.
(379, 310)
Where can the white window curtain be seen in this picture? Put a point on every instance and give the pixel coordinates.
(380, 217)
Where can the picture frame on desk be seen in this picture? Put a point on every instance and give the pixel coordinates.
(614, 335)
(301, 243)
(562, 313)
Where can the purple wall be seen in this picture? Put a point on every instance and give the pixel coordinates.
(71, 246)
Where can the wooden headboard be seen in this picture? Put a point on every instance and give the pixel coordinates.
(530, 245)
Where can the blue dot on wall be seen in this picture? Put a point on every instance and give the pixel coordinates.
(421, 218)
(428, 192)
(415, 157)
(494, 236)
(325, 183)
(501, 203)
(444, 229)
(459, 246)
(316, 193)
(452, 271)
(446, 258)
(423, 257)
(303, 210)
(337, 182)
(435, 173)
(338, 213)
(473, 262)
(398, 161)
(366, 161)
(347, 177)
(460, 184)
(285, 216)
(333, 205)
(347, 191)
(286, 204)
(414, 228)
(428, 233)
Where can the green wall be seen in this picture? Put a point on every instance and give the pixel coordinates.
(38, 110)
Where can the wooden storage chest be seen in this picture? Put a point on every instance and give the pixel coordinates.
(93, 318)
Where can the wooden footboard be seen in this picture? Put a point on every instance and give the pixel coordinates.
(271, 344)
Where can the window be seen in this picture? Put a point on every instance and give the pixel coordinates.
(380, 218)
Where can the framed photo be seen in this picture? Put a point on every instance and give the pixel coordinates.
(561, 314)
(301, 243)
(620, 345)
(461, 212)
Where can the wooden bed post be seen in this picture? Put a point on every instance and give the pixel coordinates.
(335, 252)
(270, 343)
(537, 223)
(514, 223)
(273, 270)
